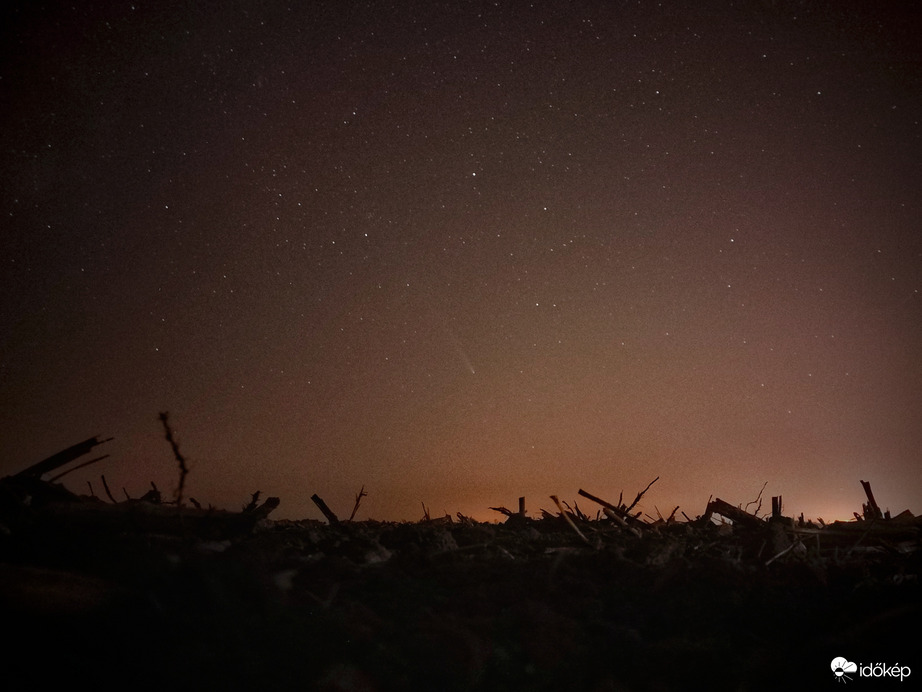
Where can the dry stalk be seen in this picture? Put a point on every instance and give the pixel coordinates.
(183, 469)
(566, 516)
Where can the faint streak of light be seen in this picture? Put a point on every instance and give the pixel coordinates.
(460, 351)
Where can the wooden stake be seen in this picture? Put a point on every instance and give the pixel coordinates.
(776, 507)
(327, 512)
(872, 503)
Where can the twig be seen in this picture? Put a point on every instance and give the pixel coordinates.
(758, 499)
(108, 492)
(600, 501)
(63, 457)
(620, 511)
(358, 500)
(566, 516)
(78, 466)
(614, 516)
(254, 501)
(641, 494)
(183, 469)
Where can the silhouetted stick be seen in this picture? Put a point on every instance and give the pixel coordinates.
(502, 510)
(358, 500)
(566, 516)
(327, 512)
(266, 507)
(618, 519)
(776, 507)
(619, 511)
(758, 499)
(108, 492)
(522, 506)
(65, 456)
(599, 501)
(78, 466)
(254, 501)
(183, 469)
(872, 503)
(641, 494)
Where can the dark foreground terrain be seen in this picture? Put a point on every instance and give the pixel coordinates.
(141, 596)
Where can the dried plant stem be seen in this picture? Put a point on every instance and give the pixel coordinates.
(641, 494)
(358, 500)
(566, 515)
(183, 469)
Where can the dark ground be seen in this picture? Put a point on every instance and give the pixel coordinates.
(450, 606)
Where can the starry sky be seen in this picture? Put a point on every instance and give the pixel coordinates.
(463, 252)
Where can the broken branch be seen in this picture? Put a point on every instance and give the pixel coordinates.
(183, 469)
(58, 460)
(106, 488)
(566, 516)
(758, 499)
(78, 466)
(641, 494)
(358, 500)
(327, 512)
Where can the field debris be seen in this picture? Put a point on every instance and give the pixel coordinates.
(27, 501)
(26, 493)
(563, 600)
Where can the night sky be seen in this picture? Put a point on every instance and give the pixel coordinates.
(463, 252)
